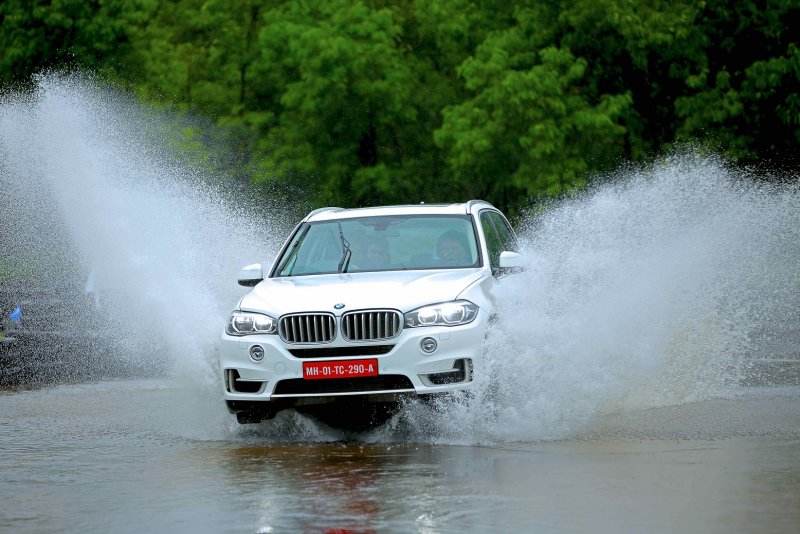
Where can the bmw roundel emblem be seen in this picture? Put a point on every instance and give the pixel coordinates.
(338, 306)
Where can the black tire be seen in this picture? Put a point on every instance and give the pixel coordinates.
(253, 417)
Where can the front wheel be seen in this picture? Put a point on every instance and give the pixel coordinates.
(250, 412)
(249, 418)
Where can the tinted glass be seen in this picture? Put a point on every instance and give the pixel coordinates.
(381, 244)
(493, 244)
(507, 239)
(499, 236)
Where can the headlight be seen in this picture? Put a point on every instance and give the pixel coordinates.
(244, 323)
(444, 314)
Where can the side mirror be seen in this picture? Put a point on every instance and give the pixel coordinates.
(511, 261)
(251, 275)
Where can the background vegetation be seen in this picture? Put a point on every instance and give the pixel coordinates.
(360, 102)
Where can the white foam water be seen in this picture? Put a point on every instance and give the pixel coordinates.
(661, 286)
(157, 243)
(656, 287)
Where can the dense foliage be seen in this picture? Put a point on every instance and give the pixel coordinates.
(359, 102)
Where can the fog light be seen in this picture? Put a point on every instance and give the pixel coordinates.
(256, 353)
(428, 345)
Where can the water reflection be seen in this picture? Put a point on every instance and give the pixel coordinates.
(651, 486)
(332, 487)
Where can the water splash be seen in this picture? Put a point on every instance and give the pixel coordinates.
(91, 187)
(665, 285)
(658, 287)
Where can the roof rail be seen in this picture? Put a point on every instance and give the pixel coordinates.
(474, 201)
(320, 210)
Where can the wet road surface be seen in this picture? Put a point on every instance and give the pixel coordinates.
(146, 456)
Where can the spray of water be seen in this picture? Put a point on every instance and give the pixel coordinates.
(93, 195)
(658, 287)
(665, 285)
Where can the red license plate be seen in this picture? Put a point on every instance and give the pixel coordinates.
(340, 369)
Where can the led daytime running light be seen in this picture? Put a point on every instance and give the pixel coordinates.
(245, 323)
(452, 313)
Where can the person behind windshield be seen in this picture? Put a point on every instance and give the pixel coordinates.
(451, 250)
(376, 255)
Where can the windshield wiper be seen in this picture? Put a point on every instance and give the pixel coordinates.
(346, 253)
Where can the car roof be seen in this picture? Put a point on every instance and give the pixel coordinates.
(333, 213)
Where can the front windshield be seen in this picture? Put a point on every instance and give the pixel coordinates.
(387, 243)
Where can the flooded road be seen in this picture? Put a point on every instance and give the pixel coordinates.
(136, 456)
(642, 376)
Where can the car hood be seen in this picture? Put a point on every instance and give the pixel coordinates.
(402, 290)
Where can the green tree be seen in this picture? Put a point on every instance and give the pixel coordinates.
(743, 95)
(645, 49)
(343, 98)
(535, 124)
(370, 101)
(36, 35)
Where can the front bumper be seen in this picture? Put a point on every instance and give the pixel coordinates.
(403, 367)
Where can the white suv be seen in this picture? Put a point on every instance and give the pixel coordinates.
(364, 307)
